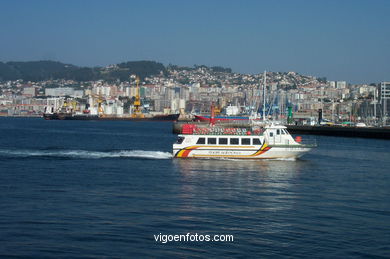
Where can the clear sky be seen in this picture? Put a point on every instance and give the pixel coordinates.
(341, 40)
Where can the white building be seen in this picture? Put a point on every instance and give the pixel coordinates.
(385, 96)
(30, 91)
(54, 104)
(341, 84)
(332, 84)
(385, 90)
(63, 91)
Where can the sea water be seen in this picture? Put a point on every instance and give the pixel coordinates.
(112, 189)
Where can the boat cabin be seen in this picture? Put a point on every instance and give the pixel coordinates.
(219, 140)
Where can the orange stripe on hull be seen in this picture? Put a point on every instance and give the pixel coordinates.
(186, 151)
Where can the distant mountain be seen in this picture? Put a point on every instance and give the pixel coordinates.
(46, 70)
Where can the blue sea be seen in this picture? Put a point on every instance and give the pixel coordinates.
(109, 189)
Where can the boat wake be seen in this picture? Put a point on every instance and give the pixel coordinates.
(85, 154)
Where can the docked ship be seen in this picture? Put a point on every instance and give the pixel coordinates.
(70, 116)
(258, 142)
(223, 118)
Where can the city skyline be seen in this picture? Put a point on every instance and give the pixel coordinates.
(345, 40)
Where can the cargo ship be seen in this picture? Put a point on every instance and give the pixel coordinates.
(69, 116)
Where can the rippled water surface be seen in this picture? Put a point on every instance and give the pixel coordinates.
(104, 189)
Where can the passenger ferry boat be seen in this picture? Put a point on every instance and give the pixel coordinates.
(258, 142)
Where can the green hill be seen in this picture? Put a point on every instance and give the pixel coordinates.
(46, 70)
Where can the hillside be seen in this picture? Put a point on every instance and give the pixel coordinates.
(46, 70)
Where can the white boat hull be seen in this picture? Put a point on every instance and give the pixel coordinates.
(261, 152)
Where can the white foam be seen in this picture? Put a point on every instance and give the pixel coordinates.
(85, 154)
(285, 159)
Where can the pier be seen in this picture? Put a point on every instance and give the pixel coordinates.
(340, 131)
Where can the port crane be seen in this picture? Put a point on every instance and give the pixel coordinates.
(99, 100)
(137, 113)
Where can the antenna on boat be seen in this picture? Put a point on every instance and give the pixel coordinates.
(264, 85)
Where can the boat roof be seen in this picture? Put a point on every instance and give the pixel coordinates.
(272, 126)
(219, 135)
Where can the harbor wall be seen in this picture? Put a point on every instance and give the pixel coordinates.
(339, 131)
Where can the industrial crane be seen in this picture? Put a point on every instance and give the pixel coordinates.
(137, 113)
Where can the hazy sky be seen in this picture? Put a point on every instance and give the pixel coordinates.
(342, 40)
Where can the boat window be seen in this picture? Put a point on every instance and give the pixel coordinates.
(223, 141)
(245, 141)
(271, 134)
(278, 132)
(211, 141)
(179, 140)
(256, 141)
(234, 141)
(283, 132)
(201, 141)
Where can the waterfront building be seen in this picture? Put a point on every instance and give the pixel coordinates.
(385, 96)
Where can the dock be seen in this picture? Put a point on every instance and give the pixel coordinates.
(340, 131)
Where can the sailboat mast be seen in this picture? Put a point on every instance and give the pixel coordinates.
(264, 85)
